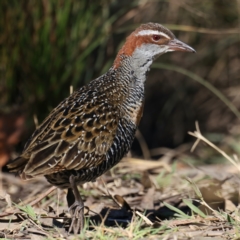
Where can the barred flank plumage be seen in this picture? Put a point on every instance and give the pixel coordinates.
(88, 133)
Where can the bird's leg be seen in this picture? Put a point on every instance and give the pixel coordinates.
(76, 207)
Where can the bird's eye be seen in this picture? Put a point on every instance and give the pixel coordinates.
(156, 37)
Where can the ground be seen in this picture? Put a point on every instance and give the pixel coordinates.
(138, 199)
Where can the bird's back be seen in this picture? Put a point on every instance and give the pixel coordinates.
(85, 135)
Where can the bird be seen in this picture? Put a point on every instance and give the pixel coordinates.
(92, 129)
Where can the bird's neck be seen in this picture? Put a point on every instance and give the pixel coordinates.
(125, 81)
(135, 65)
(140, 64)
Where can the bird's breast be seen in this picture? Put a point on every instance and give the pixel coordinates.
(133, 106)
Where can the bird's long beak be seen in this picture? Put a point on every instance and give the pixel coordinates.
(176, 45)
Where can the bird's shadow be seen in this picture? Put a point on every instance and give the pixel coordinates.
(122, 217)
(111, 217)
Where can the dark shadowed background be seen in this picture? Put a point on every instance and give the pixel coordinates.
(46, 46)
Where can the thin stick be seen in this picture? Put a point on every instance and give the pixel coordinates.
(197, 134)
(43, 196)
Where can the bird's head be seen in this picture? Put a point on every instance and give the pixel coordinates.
(150, 40)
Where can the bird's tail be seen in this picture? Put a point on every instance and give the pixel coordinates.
(17, 165)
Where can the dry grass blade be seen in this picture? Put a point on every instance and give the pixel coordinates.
(43, 196)
(143, 145)
(71, 89)
(202, 81)
(146, 220)
(202, 30)
(35, 120)
(143, 165)
(197, 134)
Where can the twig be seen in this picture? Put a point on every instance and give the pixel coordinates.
(43, 195)
(197, 134)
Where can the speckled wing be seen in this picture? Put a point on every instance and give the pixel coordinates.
(76, 135)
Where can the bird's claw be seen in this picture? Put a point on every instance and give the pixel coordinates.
(77, 214)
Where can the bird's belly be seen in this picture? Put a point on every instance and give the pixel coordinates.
(121, 145)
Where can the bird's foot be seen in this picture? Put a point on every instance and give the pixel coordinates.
(76, 207)
(77, 214)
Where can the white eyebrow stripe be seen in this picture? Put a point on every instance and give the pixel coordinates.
(152, 32)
